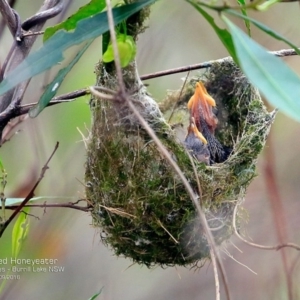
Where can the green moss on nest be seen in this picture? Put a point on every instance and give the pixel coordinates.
(138, 202)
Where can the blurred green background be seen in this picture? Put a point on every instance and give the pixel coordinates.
(177, 36)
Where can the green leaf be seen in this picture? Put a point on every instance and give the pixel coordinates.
(14, 201)
(223, 34)
(20, 232)
(242, 3)
(51, 52)
(264, 28)
(52, 88)
(2, 166)
(266, 5)
(96, 295)
(277, 82)
(93, 7)
(126, 47)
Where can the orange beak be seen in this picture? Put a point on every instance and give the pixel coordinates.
(192, 129)
(200, 106)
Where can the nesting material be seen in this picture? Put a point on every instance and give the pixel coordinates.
(139, 203)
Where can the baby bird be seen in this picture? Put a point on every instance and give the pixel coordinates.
(196, 144)
(200, 106)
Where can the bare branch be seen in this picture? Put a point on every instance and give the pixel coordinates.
(64, 98)
(208, 64)
(30, 195)
(277, 247)
(15, 96)
(3, 21)
(8, 16)
(11, 125)
(6, 61)
(30, 33)
(43, 15)
(215, 268)
(19, 110)
(58, 205)
(179, 97)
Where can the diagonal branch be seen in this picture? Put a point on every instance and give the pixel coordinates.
(20, 51)
(30, 195)
(8, 16)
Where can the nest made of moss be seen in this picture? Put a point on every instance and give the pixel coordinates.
(139, 203)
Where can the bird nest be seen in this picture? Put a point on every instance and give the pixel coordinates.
(138, 201)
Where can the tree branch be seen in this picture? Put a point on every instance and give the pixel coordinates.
(20, 51)
(58, 205)
(208, 64)
(8, 16)
(30, 195)
(14, 110)
(276, 247)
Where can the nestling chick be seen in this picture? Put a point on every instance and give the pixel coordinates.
(197, 144)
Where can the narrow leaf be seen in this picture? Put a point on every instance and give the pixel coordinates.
(242, 3)
(51, 52)
(223, 34)
(266, 5)
(19, 232)
(52, 88)
(264, 28)
(93, 7)
(279, 84)
(2, 166)
(14, 201)
(96, 295)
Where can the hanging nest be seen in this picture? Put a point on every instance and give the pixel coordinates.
(139, 203)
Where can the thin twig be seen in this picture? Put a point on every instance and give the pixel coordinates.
(30, 194)
(215, 268)
(6, 61)
(104, 90)
(241, 264)
(101, 95)
(58, 205)
(197, 177)
(178, 98)
(163, 150)
(13, 112)
(24, 109)
(11, 125)
(277, 247)
(30, 33)
(208, 64)
(167, 231)
(115, 47)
